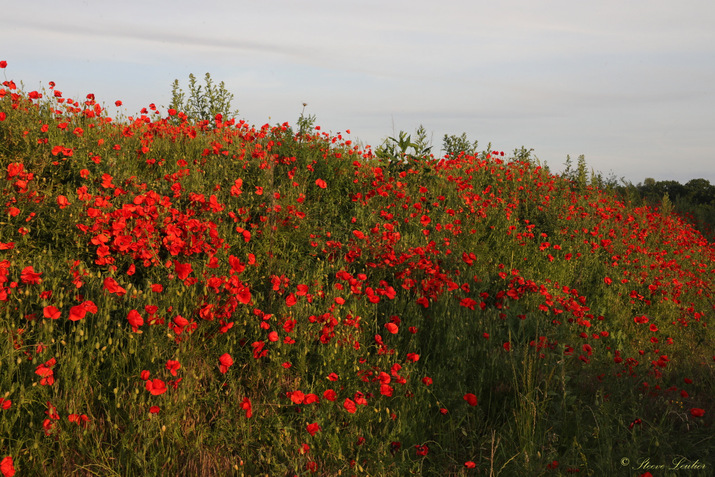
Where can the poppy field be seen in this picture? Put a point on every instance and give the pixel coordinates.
(218, 298)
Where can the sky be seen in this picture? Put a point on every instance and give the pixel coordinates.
(628, 84)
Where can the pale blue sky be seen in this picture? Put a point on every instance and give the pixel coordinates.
(629, 84)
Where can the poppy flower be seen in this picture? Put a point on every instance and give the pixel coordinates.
(173, 366)
(111, 285)
(296, 396)
(469, 464)
(182, 270)
(77, 313)
(471, 399)
(421, 450)
(78, 419)
(51, 312)
(156, 386)
(246, 406)
(321, 183)
(62, 201)
(6, 467)
(135, 320)
(350, 406)
(330, 395)
(225, 362)
(313, 428)
(697, 412)
(30, 276)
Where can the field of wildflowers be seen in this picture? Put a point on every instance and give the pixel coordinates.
(215, 298)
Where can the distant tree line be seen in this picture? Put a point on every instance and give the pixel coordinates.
(694, 200)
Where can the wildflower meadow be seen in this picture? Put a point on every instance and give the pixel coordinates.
(210, 297)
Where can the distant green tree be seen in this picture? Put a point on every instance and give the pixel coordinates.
(204, 102)
(700, 191)
(579, 176)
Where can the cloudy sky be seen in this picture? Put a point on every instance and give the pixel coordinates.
(629, 84)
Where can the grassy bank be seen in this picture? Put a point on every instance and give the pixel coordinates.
(217, 298)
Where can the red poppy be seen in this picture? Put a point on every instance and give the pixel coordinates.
(321, 183)
(77, 313)
(111, 285)
(154, 410)
(3, 64)
(156, 386)
(246, 406)
(471, 399)
(697, 412)
(30, 277)
(173, 366)
(330, 395)
(78, 419)
(296, 396)
(392, 328)
(6, 467)
(62, 201)
(469, 464)
(182, 270)
(421, 450)
(51, 312)
(135, 320)
(291, 300)
(350, 406)
(313, 428)
(225, 362)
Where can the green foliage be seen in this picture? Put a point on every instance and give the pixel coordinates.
(305, 123)
(404, 148)
(203, 102)
(452, 145)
